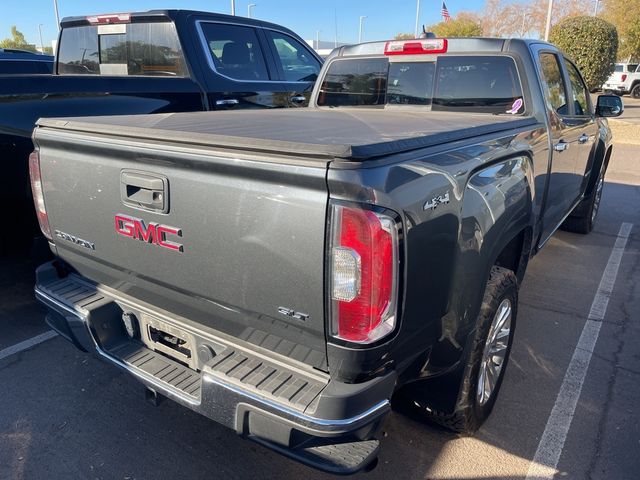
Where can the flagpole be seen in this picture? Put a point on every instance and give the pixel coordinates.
(415, 32)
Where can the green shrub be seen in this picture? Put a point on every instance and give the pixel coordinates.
(591, 43)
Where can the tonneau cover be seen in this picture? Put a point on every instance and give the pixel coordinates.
(347, 133)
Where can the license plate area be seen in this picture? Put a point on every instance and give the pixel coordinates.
(168, 340)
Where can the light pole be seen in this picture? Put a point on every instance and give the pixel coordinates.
(362, 17)
(55, 9)
(233, 7)
(40, 32)
(317, 39)
(415, 32)
(249, 7)
(595, 10)
(547, 28)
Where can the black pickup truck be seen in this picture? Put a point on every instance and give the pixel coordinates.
(148, 62)
(288, 272)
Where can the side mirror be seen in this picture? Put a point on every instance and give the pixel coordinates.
(609, 106)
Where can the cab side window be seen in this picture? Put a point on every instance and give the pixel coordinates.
(235, 51)
(578, 90)
(553, 82)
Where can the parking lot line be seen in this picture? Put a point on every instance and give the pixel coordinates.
(19, 347)
(555, 433)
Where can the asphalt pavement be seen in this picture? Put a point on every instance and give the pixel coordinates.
(65, 414)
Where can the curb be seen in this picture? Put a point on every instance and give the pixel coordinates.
(625, 132)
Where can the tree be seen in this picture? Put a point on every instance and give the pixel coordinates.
(461, 26)
(625, 15)
(525, 18)
(592, 43)
(17, 40)
(404, 36)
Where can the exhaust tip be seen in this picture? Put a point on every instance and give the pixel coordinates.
(153, 397)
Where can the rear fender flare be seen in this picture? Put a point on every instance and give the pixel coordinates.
(497, 206)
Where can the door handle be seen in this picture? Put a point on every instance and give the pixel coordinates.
(227, 102)
(584, 138)
(298, 99)
(561, 146)
(144, 190)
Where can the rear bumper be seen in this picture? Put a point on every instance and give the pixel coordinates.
(620, 88)
(310, 418)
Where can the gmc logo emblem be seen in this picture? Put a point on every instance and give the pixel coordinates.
(153, 233)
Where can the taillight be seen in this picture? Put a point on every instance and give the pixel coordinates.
(363, 273)
(416, 47)
(38, 197)
(624, 77)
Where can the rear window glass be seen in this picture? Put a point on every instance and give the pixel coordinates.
(483, 84)
(619, 68)
(150, 49)
(355, 83)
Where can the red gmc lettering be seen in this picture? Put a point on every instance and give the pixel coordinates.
(155, 233)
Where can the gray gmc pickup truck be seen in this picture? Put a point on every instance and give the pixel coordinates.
(287, 273)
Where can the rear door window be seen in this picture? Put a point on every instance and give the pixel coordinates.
(148, 49)
(235, 51)
(297, 62)
(553, 83)
(578, 91)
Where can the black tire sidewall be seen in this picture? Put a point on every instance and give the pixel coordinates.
(635, 91)
(505, 287)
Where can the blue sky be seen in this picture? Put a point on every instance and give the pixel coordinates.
(385, 18)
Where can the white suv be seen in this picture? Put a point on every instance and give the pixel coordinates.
(624, 79)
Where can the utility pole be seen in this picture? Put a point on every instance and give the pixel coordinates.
(40, 32)
(55, 9)
(524, 19)
(595, 10)
(362, 17)
(415, 32)
(249, 7)
(317, 39)
(335, 21)
(547, 28)
(233, 7)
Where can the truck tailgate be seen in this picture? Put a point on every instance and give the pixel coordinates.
(230, 241)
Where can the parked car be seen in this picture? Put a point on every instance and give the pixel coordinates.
(14, 61)
(625, 79)
(287, 272)
(160, 61)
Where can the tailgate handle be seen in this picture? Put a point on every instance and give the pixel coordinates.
(147, 191)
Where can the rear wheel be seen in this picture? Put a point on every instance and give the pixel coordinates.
(583, 218)
(635, 91)
(487, 360)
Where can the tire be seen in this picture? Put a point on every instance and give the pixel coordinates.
(472, 407)
(635, 91)
(583, 218)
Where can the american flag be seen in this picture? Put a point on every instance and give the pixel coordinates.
(445, 13)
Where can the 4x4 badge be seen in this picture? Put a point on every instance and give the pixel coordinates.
(435, 201)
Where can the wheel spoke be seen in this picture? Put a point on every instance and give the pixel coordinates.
(495, 351)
